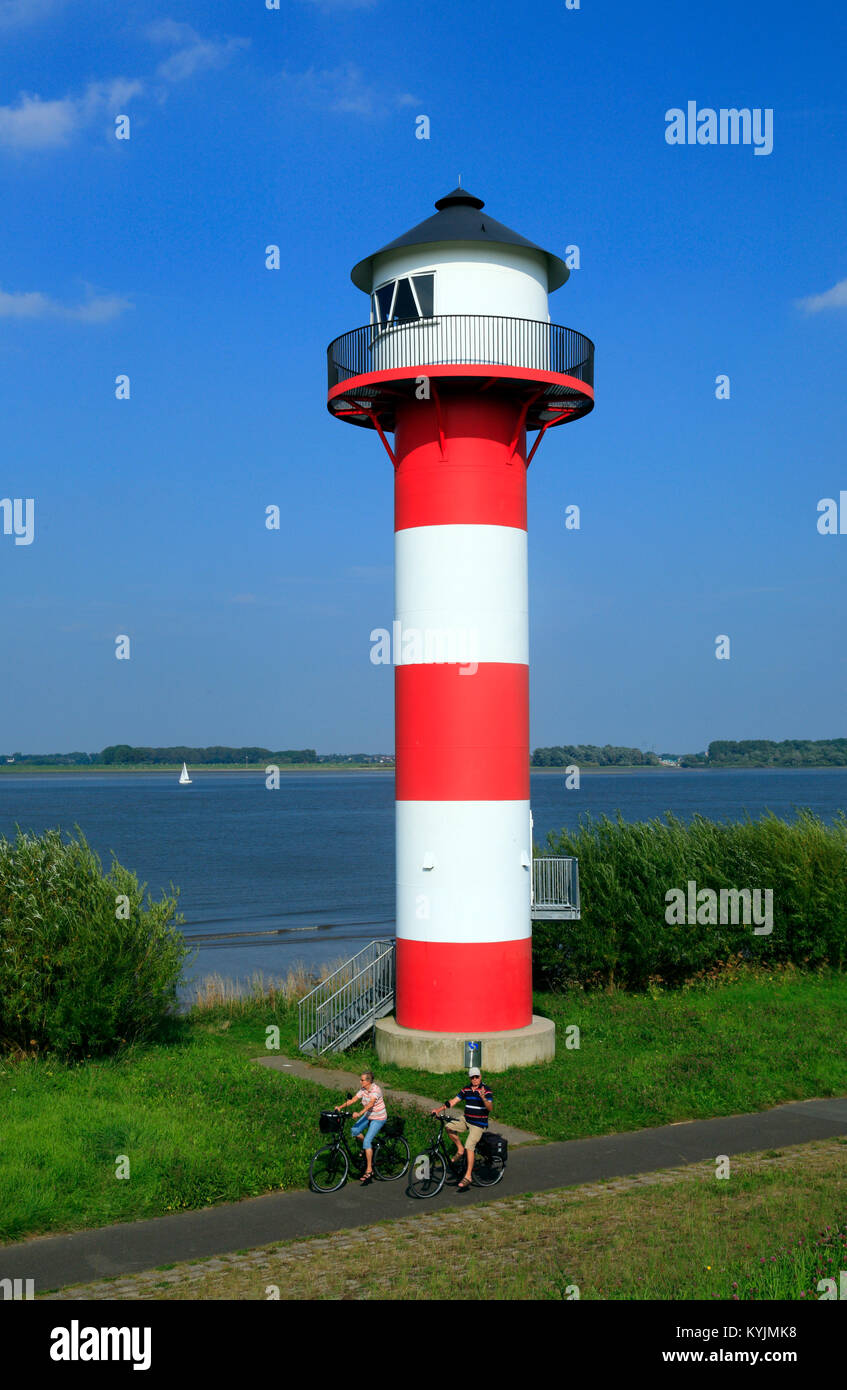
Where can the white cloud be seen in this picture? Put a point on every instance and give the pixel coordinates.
(35, 305)
(35, 124)
(836, 298)
(343, 90)
(193, 53)
(43, 125)
(16, 14)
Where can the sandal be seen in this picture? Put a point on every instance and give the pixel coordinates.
(369, 1177)
(463, 1186)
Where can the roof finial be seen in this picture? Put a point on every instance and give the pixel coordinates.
(460, 180)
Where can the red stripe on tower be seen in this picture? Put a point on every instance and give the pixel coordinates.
(462, 735)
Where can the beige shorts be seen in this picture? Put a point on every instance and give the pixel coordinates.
(473, 1136)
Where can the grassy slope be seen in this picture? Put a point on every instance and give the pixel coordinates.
(645, 1060)
(201, 1123)
(198, 1120)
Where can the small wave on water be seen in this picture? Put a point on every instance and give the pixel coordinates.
(245, 934)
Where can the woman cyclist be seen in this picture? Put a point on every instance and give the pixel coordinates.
(369, 1120)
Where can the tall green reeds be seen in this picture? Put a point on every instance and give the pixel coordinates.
(627, 870)
(85, 964)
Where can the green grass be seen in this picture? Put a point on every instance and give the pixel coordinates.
(202, 1123)
(652, 1059)
(199, 1122)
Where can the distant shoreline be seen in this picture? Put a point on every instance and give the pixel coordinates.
(30, 770)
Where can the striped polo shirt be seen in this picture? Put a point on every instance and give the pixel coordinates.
(369, 1093)
(475, 1112)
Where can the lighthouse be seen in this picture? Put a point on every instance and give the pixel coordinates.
(459, 361)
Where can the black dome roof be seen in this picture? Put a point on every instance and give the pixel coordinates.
(460, 218)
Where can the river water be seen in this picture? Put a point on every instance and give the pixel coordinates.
(306, 873)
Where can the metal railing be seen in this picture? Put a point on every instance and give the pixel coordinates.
(488, 339)
(555, 890)
(349, 1001)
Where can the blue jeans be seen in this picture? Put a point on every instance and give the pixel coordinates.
(372, 1126)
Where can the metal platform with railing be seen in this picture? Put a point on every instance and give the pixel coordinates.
(469, 339)
(548, 367)
(555, 890)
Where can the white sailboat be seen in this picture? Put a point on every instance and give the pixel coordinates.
(184, 779)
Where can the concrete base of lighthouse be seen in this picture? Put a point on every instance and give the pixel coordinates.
(444, 1052)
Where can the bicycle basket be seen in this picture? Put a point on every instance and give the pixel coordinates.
(330, 1121)
(494, 1146)
(393, 1128)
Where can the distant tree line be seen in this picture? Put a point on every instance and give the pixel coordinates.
(121, 754)
(751, 752)
(356, 758)
(125, 755)
(791, 752)
(53, 759)
(590, 755)
(721, 753)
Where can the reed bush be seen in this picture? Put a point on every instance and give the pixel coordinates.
(215, 994)
(627, 869)
(86, 965)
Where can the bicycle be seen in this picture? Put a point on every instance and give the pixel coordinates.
(429, 1169)
(330, 1166)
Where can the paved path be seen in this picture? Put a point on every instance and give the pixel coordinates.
(292, 1263)
(351, 1081)
(53, 1261)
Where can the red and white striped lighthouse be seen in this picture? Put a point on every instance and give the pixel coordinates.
(459, 361)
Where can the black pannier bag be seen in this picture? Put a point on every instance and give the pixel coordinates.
(331, 1121)
(494, 1145)
(393, 1128)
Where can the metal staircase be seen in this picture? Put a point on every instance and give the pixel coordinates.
(349, 1001)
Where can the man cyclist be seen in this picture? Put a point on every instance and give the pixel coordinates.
(477, 1100)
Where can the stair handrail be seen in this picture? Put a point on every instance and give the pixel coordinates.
(315, 1014)
(324, 1003)
(378, 941)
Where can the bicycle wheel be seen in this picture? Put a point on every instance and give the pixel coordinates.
(391, 1158)
(426, 1175)
(488, 1171)
(328, 1169)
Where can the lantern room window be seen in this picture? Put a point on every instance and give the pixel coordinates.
(407, 298)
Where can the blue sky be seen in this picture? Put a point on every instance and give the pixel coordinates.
(297, 127)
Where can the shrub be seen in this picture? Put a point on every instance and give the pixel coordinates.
(75, 977)
(626, 870)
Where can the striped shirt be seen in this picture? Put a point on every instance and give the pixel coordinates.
(369, 1093)
(476, 1113)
